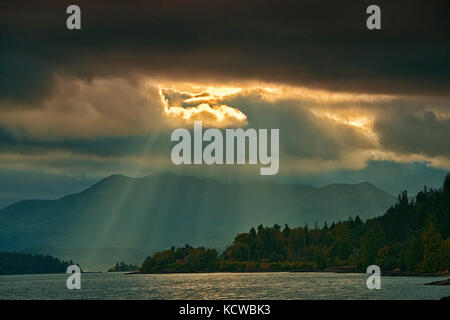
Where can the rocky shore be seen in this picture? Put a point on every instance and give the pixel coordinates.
(445, 282)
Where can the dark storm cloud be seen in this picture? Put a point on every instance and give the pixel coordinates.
(319, 44)
(97, 146)
(416, 131)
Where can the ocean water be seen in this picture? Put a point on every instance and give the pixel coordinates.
(218, 286)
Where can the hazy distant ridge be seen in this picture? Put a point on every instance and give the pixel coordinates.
(162, 210)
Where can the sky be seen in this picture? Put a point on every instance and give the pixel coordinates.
(352, 104)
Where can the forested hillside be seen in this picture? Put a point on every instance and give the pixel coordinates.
(413, 235)
(21, 263)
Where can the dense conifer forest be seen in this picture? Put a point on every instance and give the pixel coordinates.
(22, 263)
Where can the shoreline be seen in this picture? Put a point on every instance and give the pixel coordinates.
(387, 273)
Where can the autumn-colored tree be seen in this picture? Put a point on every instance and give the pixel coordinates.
(431, 240)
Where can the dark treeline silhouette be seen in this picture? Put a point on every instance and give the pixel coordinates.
(21, 263)
(413, 235)
(122, 266)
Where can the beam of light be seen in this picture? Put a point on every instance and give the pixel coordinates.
(112, 223)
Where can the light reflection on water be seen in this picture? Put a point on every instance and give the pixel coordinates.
(218, 286)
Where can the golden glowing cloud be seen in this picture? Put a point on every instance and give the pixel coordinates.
(119, 108)
(205, 106)
(358, 120)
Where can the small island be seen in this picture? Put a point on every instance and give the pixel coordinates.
(123, 267)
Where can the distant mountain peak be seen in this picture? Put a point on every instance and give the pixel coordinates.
(165, 209)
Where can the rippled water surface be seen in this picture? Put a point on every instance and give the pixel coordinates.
(218, 286)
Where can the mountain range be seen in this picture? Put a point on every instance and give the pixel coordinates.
(128, 218)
